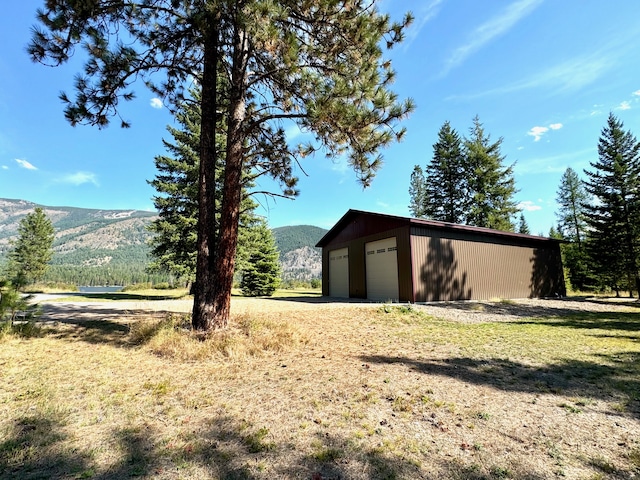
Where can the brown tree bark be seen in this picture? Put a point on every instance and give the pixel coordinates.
(216, 256)
(203, 314)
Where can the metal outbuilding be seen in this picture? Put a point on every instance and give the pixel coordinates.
(389, 258)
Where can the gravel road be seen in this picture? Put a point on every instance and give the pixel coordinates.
(54, 308)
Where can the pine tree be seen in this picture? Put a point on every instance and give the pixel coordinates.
(261, 275)
(571, 197)
(614, 218)
(416, 193)
(446, 183)
(523, 227)
(319, 64)
(175, 245)
(491, 185)
(32, 251)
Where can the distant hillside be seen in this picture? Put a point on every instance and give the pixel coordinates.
(299, 257)
(97, 247)
(298, 236)
(91, 246)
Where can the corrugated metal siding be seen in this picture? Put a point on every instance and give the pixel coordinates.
(436, 262)
(446, 268)
(357, 255)
(364, 226)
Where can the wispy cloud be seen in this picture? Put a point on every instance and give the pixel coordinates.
(493, 28)
(624, 106)
(5, 167)
(571, 75)
(25, 164)
(555, 163)
(428, 11)
(528, 206)
(537, 132)
(636, 93)
(79, 178)
(156, 103)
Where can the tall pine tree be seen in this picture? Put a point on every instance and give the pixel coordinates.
(416, 192)
(446, 183)
(614, 217)
(491, 184)
(571, 198)
(174, 246)
(465, 182)
(319, 64)
(523, 226)
(261, 275)
(33, 249)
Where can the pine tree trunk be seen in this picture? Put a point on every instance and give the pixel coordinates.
(225, 254)
(203, 304)
(212, 304)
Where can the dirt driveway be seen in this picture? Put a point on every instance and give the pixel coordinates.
(55, 309)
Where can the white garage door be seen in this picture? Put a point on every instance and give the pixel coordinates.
(382, 269)
(339, 273)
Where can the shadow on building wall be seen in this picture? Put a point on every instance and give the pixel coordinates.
(440, 277)
(547, 277)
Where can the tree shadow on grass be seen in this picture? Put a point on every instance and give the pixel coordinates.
(618, 375)
(32, 449)
(90, 324)
(226, 448)
(625, 321)
(551, 309)
(139, 456)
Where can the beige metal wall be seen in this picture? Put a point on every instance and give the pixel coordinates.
(450, 268)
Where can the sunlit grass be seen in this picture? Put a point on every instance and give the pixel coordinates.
(349, 392)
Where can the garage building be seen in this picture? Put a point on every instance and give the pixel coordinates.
(389, 258)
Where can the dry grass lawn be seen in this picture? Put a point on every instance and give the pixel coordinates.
(299, 389)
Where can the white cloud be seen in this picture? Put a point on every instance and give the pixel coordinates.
(25, 164)
(491, 29)
(636, 93)
(624, 106)
(4, 167)
(528, 206)
(79, 178)
(156, 103)
(537, 132)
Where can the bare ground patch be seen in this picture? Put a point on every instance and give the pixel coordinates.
(527, 389)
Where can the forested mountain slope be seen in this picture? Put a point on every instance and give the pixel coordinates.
(97, 247)
(91, 246)
(299, 257)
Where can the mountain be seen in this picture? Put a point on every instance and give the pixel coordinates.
(91, 246)
(97, 247)
(299, 257)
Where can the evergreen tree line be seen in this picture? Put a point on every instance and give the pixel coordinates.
(466, 182)
(600, 216)
(106, 275)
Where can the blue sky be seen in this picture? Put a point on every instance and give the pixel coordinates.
(542, 74)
